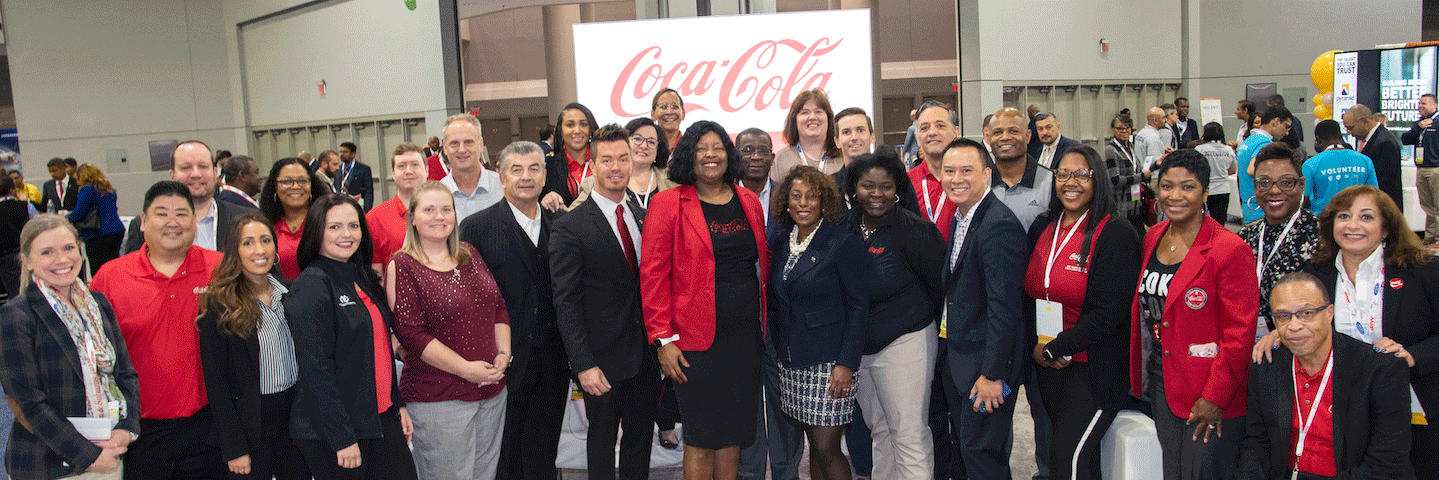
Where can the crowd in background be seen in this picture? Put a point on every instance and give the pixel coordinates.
(767, 299)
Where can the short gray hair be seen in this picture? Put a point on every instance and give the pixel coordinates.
(463, 117)
(522, 147)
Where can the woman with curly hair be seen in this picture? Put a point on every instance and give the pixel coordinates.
(285, 200)
(818, 312)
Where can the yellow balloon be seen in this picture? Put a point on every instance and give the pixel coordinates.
(1318, 99)
(1322, 112)
(1322, 72)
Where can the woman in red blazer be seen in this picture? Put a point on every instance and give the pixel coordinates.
(701, 242)
(1194, 315)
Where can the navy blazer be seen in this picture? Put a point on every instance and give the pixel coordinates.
(1411, 318)
(335, 349)
(1370, 414)
(358, 182)
(821, 312)
(984, 295)
(40, 370)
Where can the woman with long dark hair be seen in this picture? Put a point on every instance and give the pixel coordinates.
(568, 165)
(902, 344)
(349, 420)
(1080, 286)
(248, 357)
(1221, 166)
(104, 232)
(285, 201)
(702, 298)
(649, 156)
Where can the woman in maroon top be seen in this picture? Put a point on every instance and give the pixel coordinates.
(1079, 275)
(452, 322)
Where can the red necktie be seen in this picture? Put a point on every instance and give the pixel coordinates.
(629, 242)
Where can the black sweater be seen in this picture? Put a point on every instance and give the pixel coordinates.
(907, 289)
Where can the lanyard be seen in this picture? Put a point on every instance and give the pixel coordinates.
(1351, 301)
(932, 208)
(1265, 257)
(1124, 150)
(1056, 246)
(649, 188)
(804, 159)
(345, 182)
(1313, 408)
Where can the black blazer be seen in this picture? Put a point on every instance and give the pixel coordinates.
(48, 198)
(985, 337)
(557, 177)
(821, 312)
(40, 370)
(522, 271)
(334, 347)
(358, 182)
(225, 214)
(1411, 317)
(1191, 132)
(1103, 326)
(1383, 149)
(1060, 146)
(232, 382)
(597, 296)
(1371, 415)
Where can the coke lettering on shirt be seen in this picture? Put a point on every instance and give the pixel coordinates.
(745, 76)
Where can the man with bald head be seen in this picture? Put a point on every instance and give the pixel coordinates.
(1019, 181)
(192, 165)
(1380, 145)
(1149, 145)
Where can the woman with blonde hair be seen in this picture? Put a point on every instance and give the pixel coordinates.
(63, 360)
(96, 217)
(452, 322)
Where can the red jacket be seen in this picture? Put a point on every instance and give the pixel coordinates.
(677, 269)
(1214, 297)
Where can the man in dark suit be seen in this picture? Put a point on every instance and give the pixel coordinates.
(1052, 143)
(513, 239)
(354, 178)
(61, 192)
(594, 257)
(1186, 130)
(1379, 144)
(1359, 430)
(192, 165)
(985, 347)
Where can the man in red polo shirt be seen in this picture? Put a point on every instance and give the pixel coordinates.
(1321, 387)
(155, 292)
(387, 220)
(934, 129)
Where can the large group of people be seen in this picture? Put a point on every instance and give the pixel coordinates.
(284, 327)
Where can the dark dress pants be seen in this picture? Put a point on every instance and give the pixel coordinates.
(630, 404)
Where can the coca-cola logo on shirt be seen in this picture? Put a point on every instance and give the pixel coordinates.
(768, 73)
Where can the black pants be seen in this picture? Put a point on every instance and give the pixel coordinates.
(1425, 443)
(947, 464)
(1188, 459)
(983, 438)
(1218, 207)
(534, 415)
(630, 404)
(10, 273)
(1079, 424)
(102, 249)
(276, 456)
(385, 458)
(174, 448)
(668, 413)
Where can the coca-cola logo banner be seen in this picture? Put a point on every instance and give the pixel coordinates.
(739, 70)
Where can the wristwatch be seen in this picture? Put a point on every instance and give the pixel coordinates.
(1048, 357)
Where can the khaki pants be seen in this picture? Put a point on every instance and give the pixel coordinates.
(1427, 183)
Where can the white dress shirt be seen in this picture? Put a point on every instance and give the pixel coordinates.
(529, 225)
(607, 207)
(1357, 303)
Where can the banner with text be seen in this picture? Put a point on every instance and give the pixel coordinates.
(1346, 82)
(1404, 75)
(739, 70)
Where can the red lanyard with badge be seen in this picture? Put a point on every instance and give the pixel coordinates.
(1305, 424)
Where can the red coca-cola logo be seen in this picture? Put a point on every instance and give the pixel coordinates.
(755, 80)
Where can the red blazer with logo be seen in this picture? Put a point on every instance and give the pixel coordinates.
(677, 266)
(1213, 298)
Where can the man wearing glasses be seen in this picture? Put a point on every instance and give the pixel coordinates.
(756, 154)
(1301, 422)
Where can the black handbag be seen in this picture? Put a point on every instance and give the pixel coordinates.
(90, 222)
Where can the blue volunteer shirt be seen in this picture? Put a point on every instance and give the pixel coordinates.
(1333, 170)
(1258, 138)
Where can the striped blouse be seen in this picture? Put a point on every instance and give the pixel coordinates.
(278, 370)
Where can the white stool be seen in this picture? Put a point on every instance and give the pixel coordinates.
(1130, 450)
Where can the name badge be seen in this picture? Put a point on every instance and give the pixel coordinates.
(1049, 319)
(1261, 329)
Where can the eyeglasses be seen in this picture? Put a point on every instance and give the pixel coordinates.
(751, 151)
(1281, 317)
(667, 106)
(290, 182)
(638, 140)
(1286, 184)
(1083, 174)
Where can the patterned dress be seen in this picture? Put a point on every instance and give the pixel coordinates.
(1290, 256)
